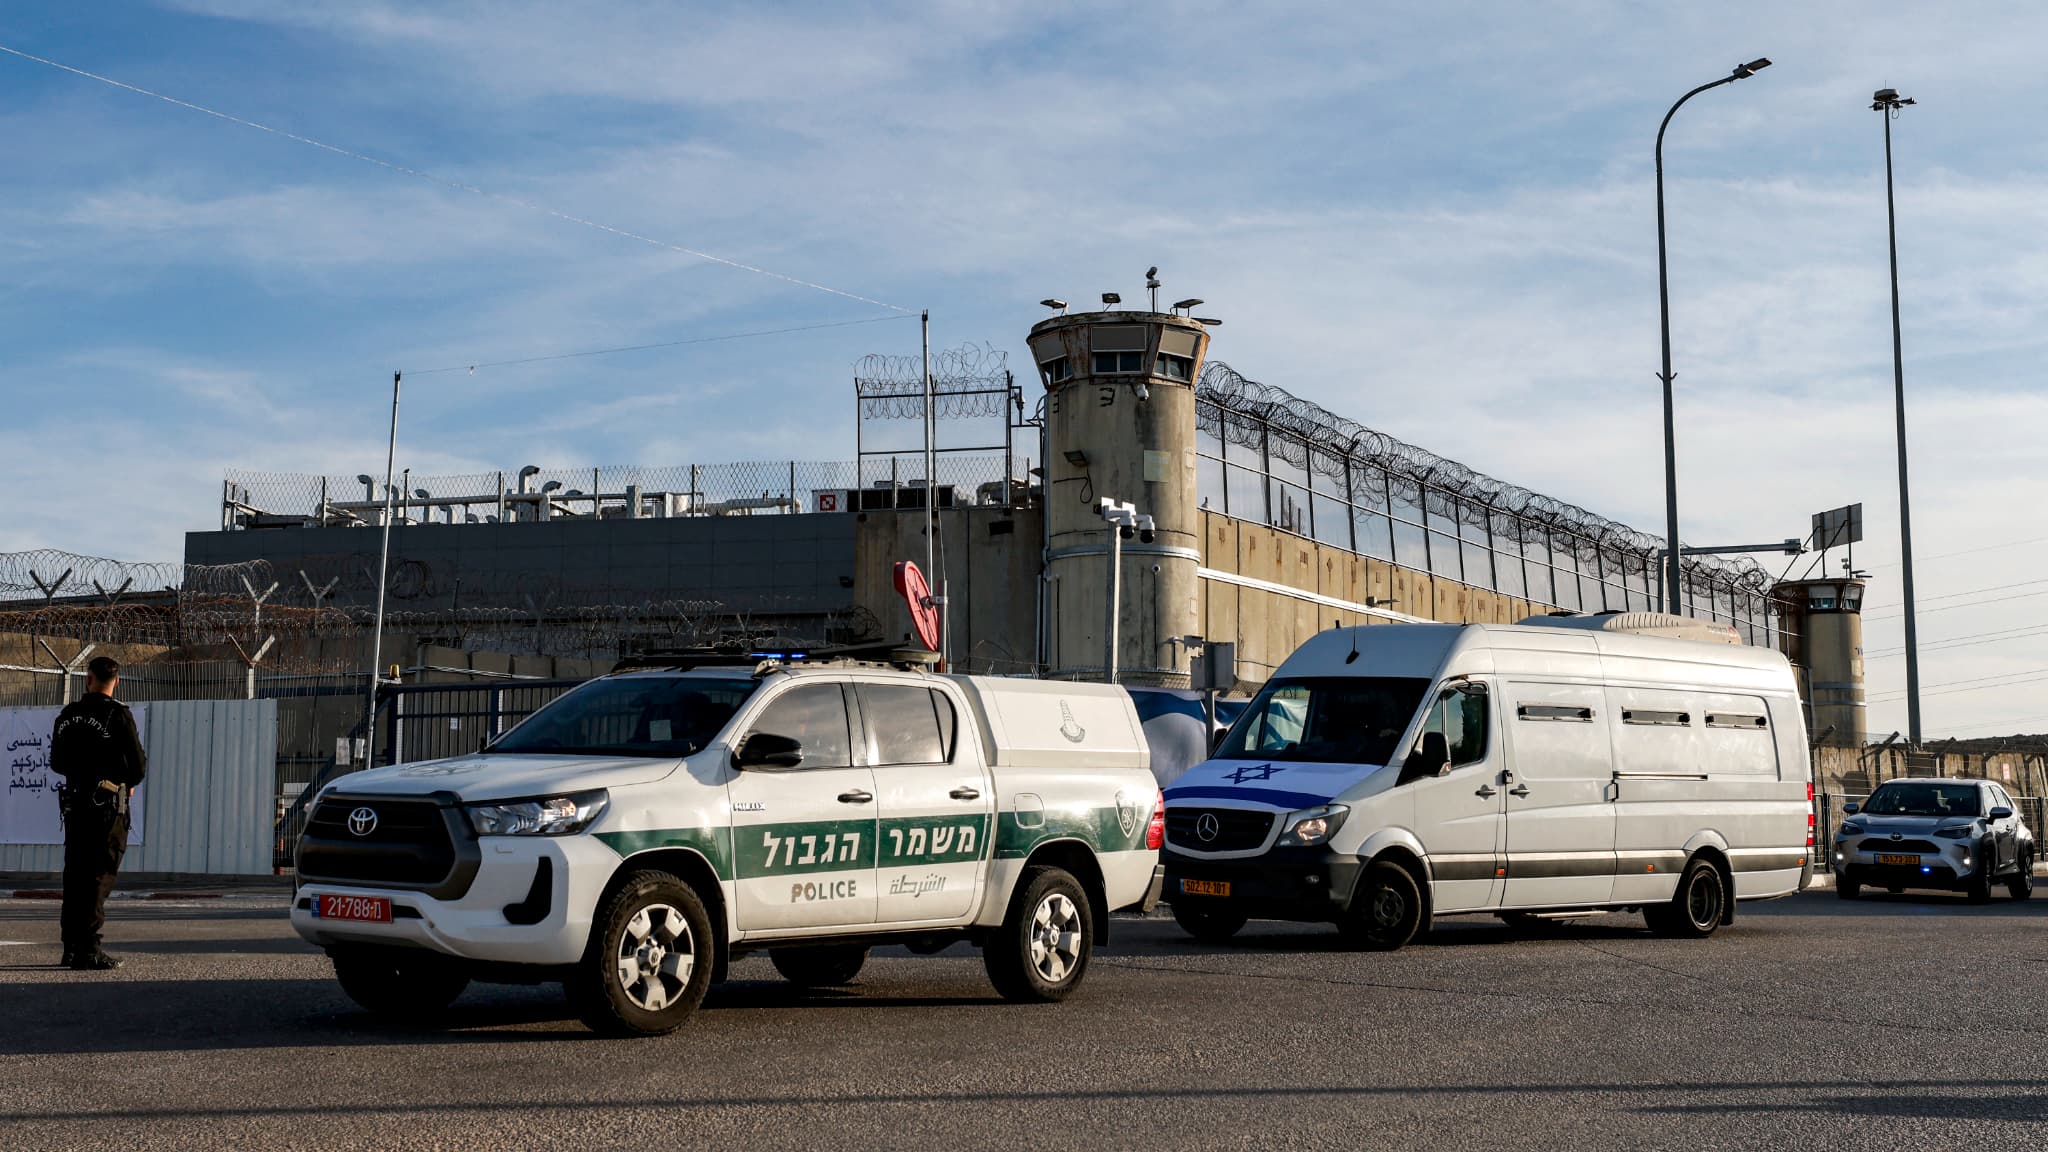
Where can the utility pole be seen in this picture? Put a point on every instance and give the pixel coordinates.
(383, 578)
(1888, 101)
(1674, 594)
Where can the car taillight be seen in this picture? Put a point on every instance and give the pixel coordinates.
(1155, 830)
(1809, 814)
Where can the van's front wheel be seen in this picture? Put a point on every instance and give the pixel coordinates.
(1696, 909)
(1386, 909)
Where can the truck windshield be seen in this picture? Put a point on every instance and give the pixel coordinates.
(1917, 799)
(1326, 719)
(652, 716)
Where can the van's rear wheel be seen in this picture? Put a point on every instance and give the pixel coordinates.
(400, 982)
(1696, 909)
(1041, 950)
(1207, 920)
(821, 967)
(1386, 909)
(649, 959)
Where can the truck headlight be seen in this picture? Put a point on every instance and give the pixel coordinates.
(554, 816)
(1313, 826)
(1849, 830)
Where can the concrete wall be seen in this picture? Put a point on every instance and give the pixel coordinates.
(1269, 625)
(991, 559)
(778, 564)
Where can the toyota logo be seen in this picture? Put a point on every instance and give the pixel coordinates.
(1897, 836)
(1207, 827)
(362, 821)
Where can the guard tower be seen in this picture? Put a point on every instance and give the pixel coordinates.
(1120, 425)
(1823, 637)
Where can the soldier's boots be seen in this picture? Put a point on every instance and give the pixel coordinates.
(90, 960)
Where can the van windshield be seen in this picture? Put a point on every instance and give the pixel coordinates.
(1326, 719)
(652, 716)
(1918, 799)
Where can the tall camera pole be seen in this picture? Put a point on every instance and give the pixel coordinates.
(1888, 102)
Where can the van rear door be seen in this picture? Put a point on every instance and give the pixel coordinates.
(1560, 825)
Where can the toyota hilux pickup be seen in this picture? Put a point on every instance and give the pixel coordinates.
(638, 833)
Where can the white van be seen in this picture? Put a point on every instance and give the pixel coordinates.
(631, 837)
(1390, 774)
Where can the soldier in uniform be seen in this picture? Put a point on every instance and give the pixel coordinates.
(95, 749)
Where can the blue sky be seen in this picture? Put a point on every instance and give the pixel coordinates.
(1436, 222)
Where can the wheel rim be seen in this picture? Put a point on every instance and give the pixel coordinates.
(1389, 908)
(1056, 938)
(656, 956)
(1703, 902)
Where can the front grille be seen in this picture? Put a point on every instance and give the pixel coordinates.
(1236, 830)
(1923, 847)
(409, 844)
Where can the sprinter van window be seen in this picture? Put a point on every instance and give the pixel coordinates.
(1452, 737)
(1326, 719)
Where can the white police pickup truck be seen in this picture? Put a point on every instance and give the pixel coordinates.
(633, 836)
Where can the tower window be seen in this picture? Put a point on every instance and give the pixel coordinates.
(1056, 370)
(1174, 367)
(1109, 363)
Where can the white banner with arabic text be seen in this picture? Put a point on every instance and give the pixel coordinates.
(28, 803)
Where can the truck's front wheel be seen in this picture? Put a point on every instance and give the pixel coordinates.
(649, 959)
(398, 982)
(1041, 951)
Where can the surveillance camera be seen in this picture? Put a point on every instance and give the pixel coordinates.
(1125, 532)
(1146, 537)
(1144, 391)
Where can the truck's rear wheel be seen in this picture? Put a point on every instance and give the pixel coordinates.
(1209, 921)
(1386, 909)
(649, 959)
(398, 981)
(1696, 909)
(821, 967)
(1041, 951)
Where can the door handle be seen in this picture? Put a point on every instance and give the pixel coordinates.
(965, 793)
(855, 797)
(1519, 790)
(1485, 791)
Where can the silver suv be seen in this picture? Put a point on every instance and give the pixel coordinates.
(1955, 835)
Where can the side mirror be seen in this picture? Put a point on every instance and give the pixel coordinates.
(2001, 813)
(1432, 757)
(768, 750)
(1851, 808)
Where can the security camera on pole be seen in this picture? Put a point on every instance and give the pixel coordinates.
(1124, 521)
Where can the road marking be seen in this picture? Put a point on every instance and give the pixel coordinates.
(7, 943)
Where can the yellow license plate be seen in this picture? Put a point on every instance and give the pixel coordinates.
(1205, 887)
(1894, 858)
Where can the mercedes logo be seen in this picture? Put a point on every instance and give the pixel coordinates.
(1207, 827)
(362, 821)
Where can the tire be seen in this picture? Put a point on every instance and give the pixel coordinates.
(1979, 888)
(1386, 909)
(1847, 887)
(823, 967)
(2020, 886)
(649, 959)
(1210, 922)
(399, 982)
(1696, 908)
(1040, 953)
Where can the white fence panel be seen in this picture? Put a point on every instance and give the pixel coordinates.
(212, 785)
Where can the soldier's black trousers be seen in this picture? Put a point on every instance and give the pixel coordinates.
(95, 839)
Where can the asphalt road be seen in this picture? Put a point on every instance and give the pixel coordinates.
(1893, 1022)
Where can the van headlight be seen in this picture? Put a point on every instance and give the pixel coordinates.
(1313, 826)
(554, 816)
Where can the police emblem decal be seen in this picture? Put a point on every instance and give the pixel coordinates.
(1070, 727)
(362, 821)
(1126, 812)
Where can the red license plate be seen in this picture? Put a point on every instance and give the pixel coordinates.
(374, 909)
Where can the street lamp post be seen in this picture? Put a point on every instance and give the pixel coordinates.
(1888, 101)
(1673, 596)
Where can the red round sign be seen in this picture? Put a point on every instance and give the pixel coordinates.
(924, 614)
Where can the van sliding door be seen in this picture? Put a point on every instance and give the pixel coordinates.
(1560, 826)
